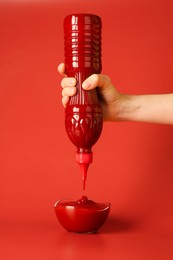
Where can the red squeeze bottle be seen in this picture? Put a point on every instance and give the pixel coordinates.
(83, 114)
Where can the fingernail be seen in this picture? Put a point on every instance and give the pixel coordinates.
(86, 84)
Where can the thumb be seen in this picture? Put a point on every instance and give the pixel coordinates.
(97, 80)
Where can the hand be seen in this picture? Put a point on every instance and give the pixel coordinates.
(110, 98)
(153, 108)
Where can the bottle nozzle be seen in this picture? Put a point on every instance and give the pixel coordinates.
(84, 160)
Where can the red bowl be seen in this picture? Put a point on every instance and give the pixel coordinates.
(81, 216)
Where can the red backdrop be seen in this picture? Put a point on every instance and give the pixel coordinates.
(132, 166)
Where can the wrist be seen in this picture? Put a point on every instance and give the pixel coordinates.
(128, 107)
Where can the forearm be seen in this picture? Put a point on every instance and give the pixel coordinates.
(156, 108)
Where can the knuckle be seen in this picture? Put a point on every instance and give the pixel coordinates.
(107, 79)
(63, 82)
(64, 92)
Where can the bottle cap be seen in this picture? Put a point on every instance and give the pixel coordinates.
(86, 158)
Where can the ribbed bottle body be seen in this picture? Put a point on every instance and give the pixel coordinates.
(82, 43)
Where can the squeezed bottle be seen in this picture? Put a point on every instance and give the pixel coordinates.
(83, 113)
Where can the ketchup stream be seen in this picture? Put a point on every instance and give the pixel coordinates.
(84, 169)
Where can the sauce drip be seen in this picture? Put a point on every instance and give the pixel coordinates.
(83, 204)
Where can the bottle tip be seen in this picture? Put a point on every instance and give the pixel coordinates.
(84, 169)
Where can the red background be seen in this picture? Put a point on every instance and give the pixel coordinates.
(132, 166)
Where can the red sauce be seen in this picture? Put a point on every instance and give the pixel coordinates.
(83, 215)
(83, 114)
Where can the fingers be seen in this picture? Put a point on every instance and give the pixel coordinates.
(61, 69)
(65, 100)
(68, 82)
(97, 80)
(69, 91)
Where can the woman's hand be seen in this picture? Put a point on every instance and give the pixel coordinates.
(109, 97)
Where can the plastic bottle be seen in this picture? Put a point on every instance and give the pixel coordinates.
(83, 114)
